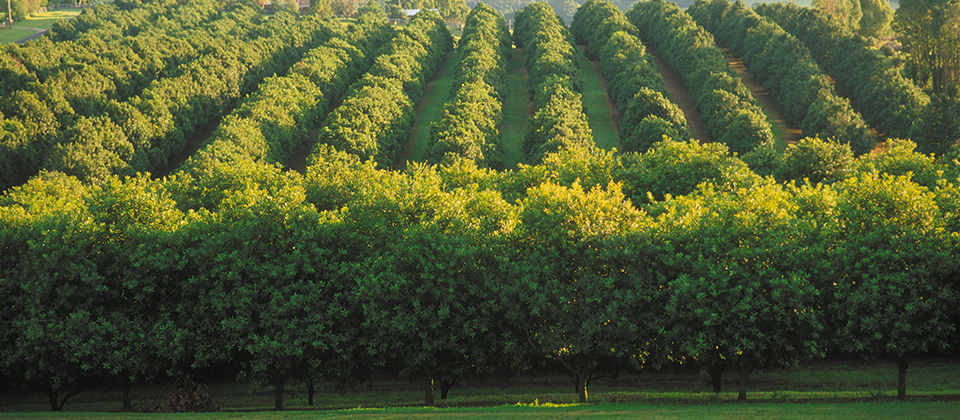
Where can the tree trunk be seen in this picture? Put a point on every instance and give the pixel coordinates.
(310, 391)
(583, 376)
(278, 379)
(715, 374)
(444, 388)
(428, 383)
(902, 364)
(52, 395)
(125, 390)
(745, 370)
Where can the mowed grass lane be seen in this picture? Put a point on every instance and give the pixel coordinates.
(428, 111)
(517, 110)
(601, 115)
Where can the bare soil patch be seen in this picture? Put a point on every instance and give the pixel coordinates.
(790, 133)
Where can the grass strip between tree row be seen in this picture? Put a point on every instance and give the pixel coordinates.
(435, 94)
(597, 106)
(517, 110)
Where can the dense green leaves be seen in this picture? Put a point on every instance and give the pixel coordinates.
(434, 273)
(591, 261)
(376, 116)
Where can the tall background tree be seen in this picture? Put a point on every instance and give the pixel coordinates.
(930, 31)
(877, 17)
(344, 8)
(845, 12)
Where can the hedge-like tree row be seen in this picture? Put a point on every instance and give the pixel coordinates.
(888, 101)
(786, 69)
(141, 134)
(114, 63)
(350, 270)
(469, 125)
(272, 122)
(376, 116)
(555, 84)
(730, 113)
(129, 18)
(633, 81)
(106, 74)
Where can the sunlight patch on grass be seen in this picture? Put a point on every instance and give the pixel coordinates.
(46, 20)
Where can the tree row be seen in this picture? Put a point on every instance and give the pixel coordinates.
(555, 84)
(376, 116)
(633, 81)
(109, 132)
(785, 68)
(274, 121)
(349, 271)
(129, 18)
(111, 65)
(469, 125)
(889, 102)
(730, 113)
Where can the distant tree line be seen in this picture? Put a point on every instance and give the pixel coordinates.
(92, 133)
(888, 100)
(278, 118)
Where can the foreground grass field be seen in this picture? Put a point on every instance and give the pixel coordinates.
(872, 410)
(822, 389)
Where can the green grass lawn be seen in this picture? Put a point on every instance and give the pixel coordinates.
(435, 94)
(869, 410)
(14, 34)
(46, 20)
(598, 107)
(517, 111)
(43, 20)
(843, 389)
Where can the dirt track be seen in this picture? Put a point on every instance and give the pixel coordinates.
(791, 133)
(679, 95)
